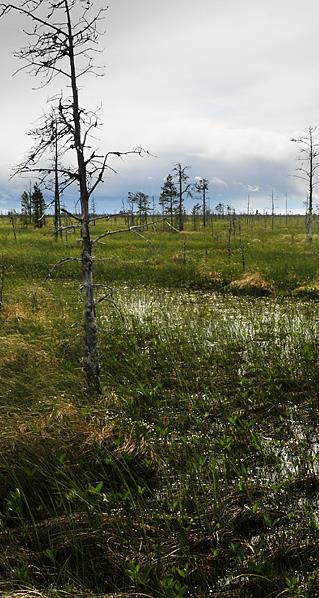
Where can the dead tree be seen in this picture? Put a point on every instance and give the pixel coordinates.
(57, 202)
(1, 284)
(183, 188)
(272, 211)
(309, 164)
(202, 187)
(61, 43)
(13, 220)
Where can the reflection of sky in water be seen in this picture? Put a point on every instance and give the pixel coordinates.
(210, 320)
(272, 331)
(266, 333)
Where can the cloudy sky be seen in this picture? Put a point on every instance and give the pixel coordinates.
(218, 85)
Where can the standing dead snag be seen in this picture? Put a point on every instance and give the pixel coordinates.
(63, 38)
(201, 187)
(183, 188)
(1, 284)
(57, 203)
(309, 164)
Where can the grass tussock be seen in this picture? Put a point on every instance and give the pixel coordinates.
(180, 256)
(63, 472)
(251, 284)
(310, 291)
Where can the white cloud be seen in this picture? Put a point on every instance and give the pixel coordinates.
(219, 85)
(215, 180)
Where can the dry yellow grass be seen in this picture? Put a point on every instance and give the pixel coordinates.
(180, 256)
(309, 290)
(205, 271)
(251, 283)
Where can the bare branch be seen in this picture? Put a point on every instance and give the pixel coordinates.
(79, 218)
(7, 7)
(171, 226)
(103, 298)
(129, 229)
(68, 227)
(60, 263)
(139, 150)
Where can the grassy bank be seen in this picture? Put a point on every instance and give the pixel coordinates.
(196, 473)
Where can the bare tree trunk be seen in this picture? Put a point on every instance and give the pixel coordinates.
(30, 203)
(57, 208)
(90, 347)
(272, 212)
(1, 285)
(12, 219)
(57, 40)
(309, 153)
(311, 173)
(180, 205)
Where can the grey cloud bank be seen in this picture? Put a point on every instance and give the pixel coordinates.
(219, 85)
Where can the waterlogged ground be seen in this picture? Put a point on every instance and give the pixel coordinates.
(213, 318)
(195, 475)
(275, 333)
(224, 391)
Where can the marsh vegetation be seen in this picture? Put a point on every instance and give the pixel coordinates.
(196, 471)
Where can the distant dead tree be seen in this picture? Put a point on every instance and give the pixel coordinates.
(1, 283)
(13, 221)
(61, 42)
(202, 188)
(195, 213)
(272, 211)
(309, 164)
(57, 191)
(183, 188)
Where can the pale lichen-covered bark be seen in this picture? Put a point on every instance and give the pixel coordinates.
(90, 347)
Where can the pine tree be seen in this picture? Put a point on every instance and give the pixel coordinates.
(26, 207)
(142, 202)
(38, 206)
(168, 198)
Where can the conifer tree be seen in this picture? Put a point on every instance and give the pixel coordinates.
(142, 202)
(168, 198)
(26, 206)
(37, 206)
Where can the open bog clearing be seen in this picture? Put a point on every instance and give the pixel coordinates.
(195, 473)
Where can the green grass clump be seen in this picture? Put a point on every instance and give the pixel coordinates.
(67, 476)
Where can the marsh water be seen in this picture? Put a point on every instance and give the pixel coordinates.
(226, 393)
